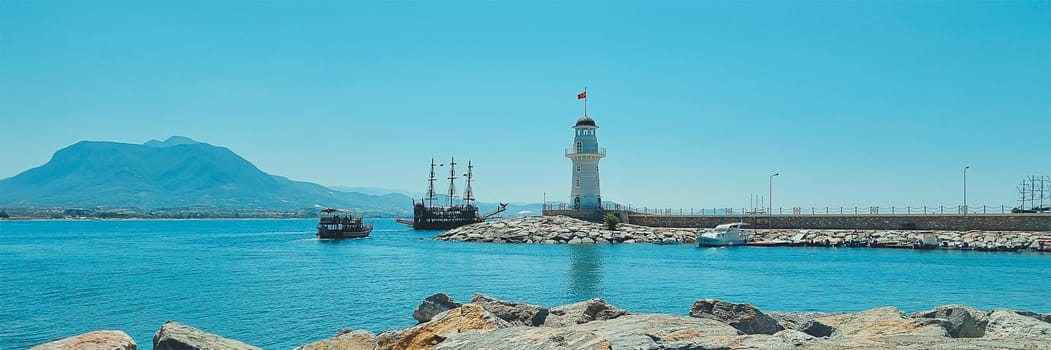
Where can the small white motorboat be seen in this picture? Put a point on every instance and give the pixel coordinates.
(724, 235)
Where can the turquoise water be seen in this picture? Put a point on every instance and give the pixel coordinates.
(269, 283)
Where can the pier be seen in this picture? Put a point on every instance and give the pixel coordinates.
(870, 218)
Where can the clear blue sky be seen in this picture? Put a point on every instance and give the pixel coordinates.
(854, 103)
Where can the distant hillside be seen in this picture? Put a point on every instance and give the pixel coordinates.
(178, 172)
(376, 191)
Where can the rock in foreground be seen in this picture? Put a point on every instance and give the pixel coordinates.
(177, 336)
(434, 305)
(490, 323)
(345, 340)
(744, 317)
(97, 340)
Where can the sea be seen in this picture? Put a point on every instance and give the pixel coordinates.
(270, 283)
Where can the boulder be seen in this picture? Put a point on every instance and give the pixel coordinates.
(794, 320)
(786, 340)
(97, 340)
(468, 317)
(964, 321)
(434, 305)
(818, 329)
(177, 336)
(1008, 324)
(518, 314)
(526, 338)
(586, 311)
(345, 340)
(655, 331)
(791, 337)
(1039, 316)
(744, 317)
(884, 321)
(927, 343)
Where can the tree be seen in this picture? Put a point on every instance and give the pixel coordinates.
(3, 215)
(611, 221)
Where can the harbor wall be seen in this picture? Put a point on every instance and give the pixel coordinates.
(593, 215)
(955, 222)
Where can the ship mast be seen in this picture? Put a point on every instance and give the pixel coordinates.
(430, 186)
(468, 195)
(452, 180)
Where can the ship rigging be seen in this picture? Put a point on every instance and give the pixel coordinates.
(438, 217)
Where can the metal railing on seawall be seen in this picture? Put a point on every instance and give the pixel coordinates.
(840, 211)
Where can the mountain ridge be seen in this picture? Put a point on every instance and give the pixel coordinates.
(178, 172)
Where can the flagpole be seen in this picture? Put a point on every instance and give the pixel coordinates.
(585, 101)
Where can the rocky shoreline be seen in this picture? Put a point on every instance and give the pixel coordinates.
(489, 323)
(566, 230)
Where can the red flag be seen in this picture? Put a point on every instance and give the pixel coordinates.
(582, 95)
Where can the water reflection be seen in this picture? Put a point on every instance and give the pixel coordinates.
(584, 280)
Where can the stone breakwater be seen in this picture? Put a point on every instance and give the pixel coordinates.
(566, 230)
(489, 323)
(979, 240)
(563, 229)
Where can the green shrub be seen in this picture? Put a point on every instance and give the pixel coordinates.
(611, 221)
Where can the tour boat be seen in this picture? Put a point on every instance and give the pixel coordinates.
(724, 235)
(339, 224)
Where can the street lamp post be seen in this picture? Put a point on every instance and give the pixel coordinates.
(965, 189)
(770, 208)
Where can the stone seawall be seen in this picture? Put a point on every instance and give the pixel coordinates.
(563, 230)
(566, 230)
(985, 222)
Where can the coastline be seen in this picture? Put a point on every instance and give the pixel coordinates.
(487, 322)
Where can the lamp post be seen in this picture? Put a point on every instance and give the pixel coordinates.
(770, 208)
(965, 189)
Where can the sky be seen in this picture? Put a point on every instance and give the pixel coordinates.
(858, 103)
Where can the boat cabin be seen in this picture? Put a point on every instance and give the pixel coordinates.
(334, 224)
(721, 230)
(723, 235)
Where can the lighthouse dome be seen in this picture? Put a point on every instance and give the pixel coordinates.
(585, 121)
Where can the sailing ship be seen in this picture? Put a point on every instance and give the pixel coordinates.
(1034, 191)
(336, 225)
(428, 216)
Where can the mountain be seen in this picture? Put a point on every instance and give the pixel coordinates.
(171, 141)
(178, 172)
(376, 191)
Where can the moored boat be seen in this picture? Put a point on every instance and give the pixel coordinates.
(340, 224)
(1042, 245)
(926, 241)
(724, 235)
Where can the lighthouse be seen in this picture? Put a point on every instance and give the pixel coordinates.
(585, 154)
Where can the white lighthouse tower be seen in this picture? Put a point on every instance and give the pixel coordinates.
(585, 154)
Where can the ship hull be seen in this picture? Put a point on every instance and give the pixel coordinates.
(442, 225)
(443, 218)
(344, 234)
